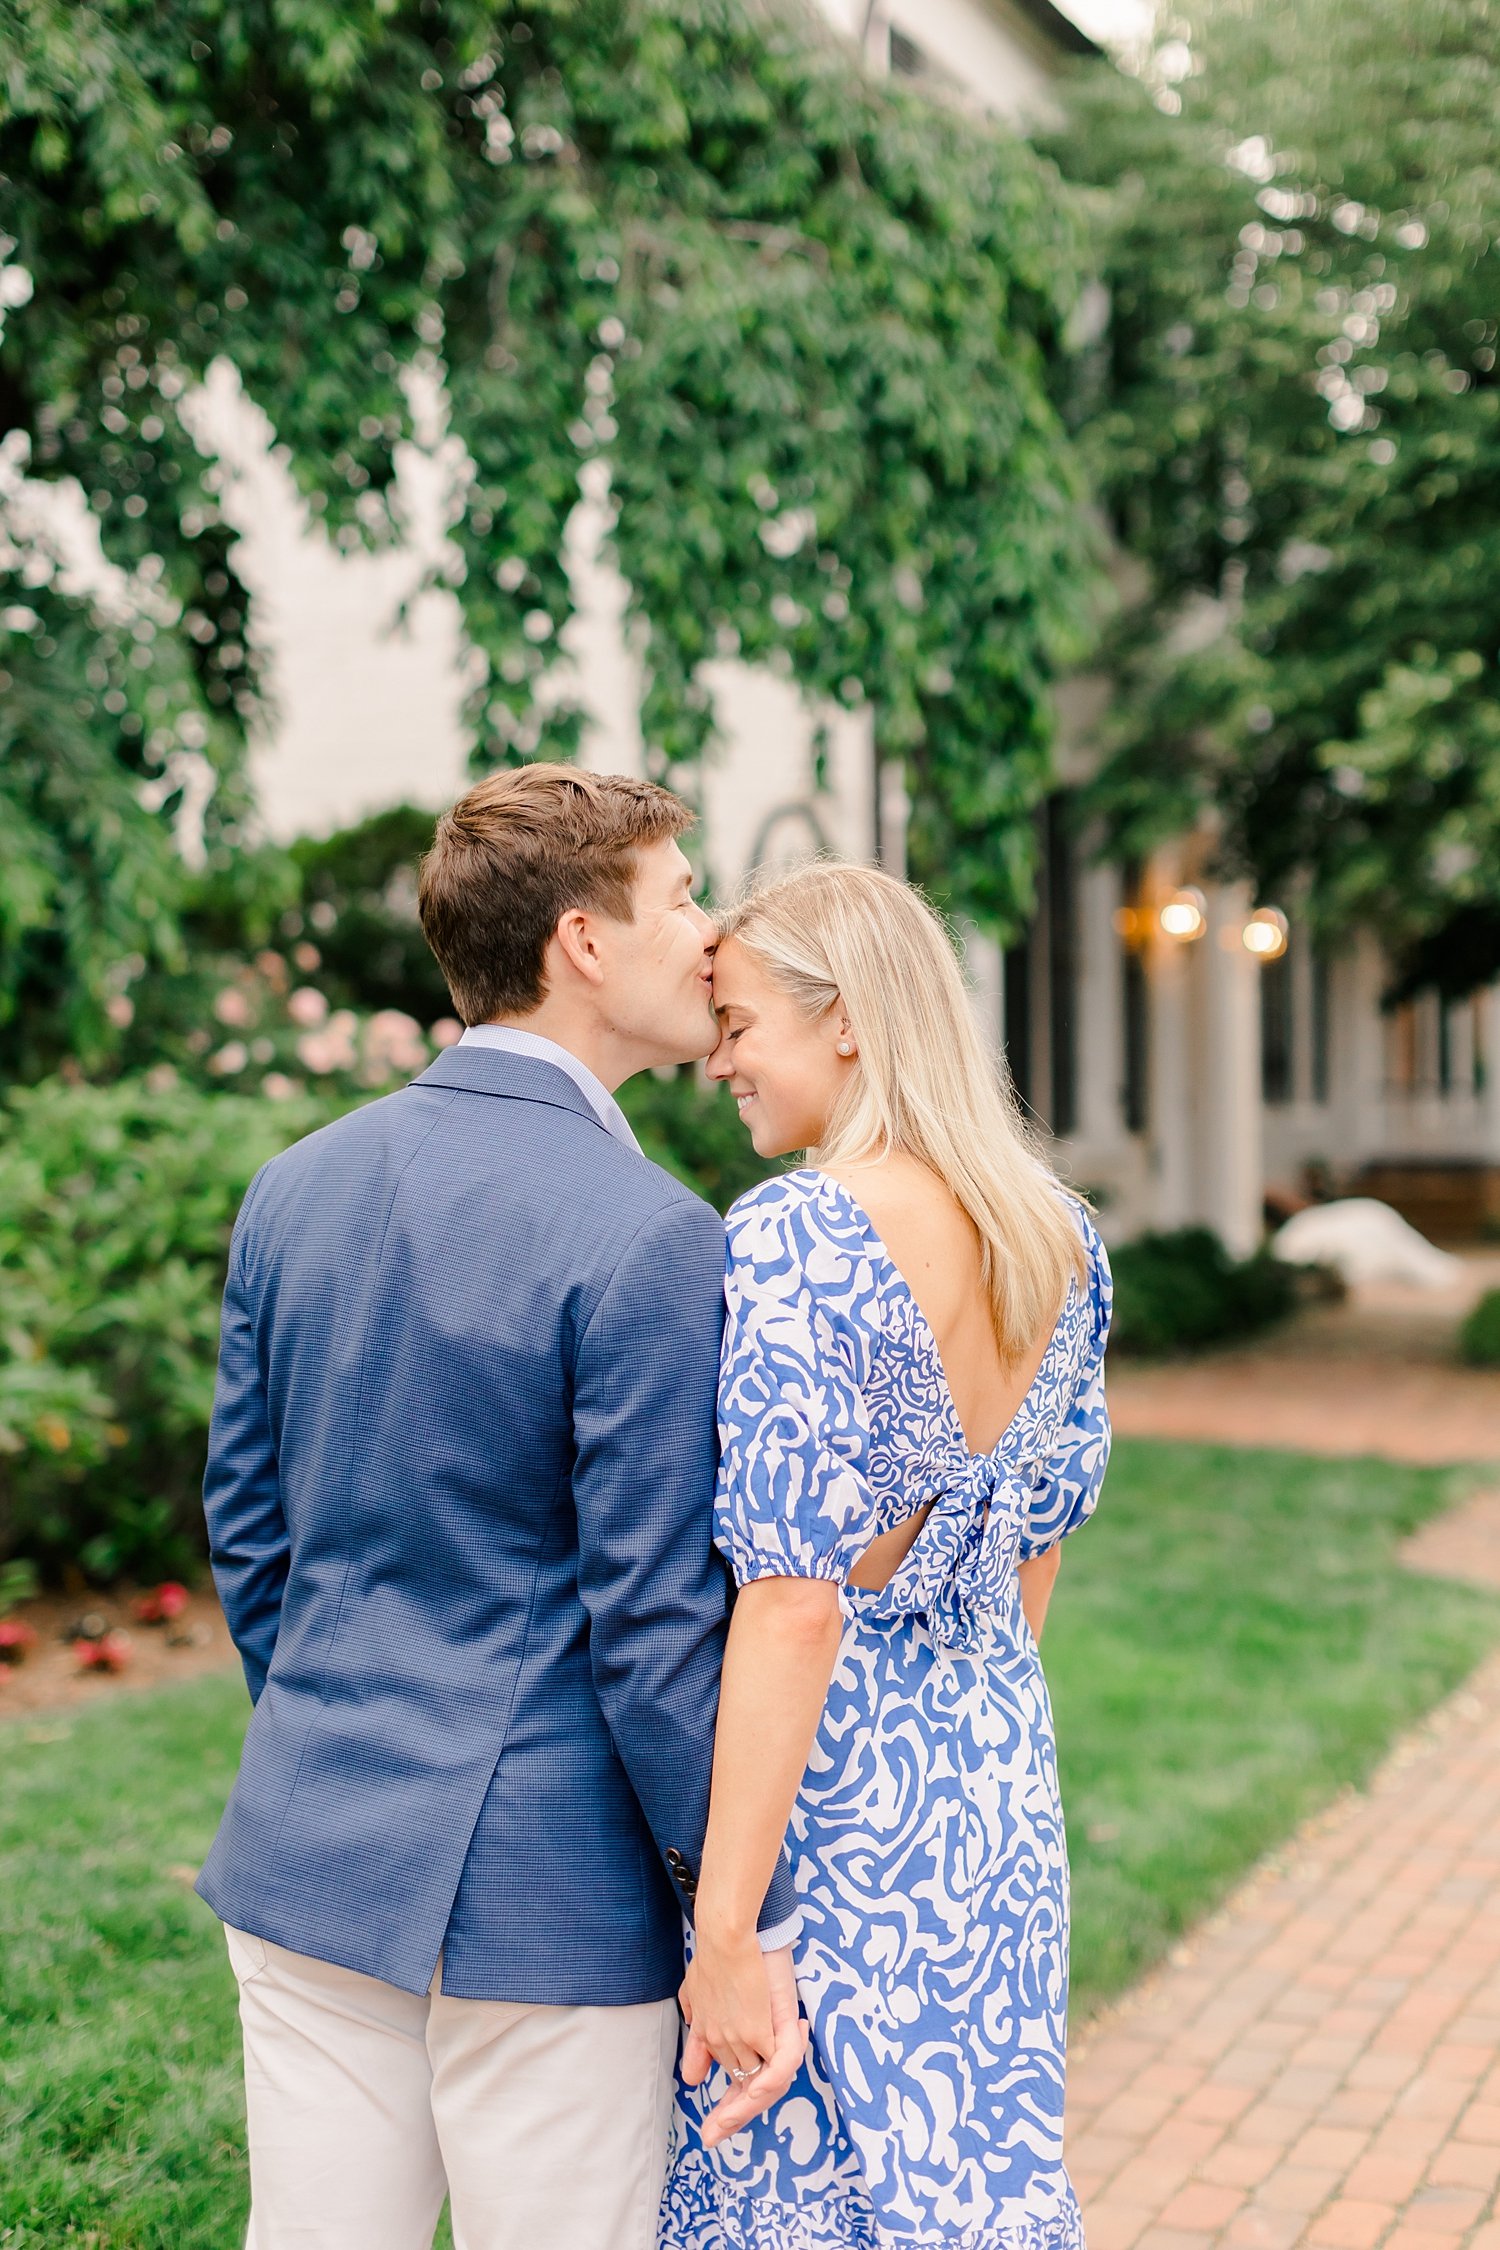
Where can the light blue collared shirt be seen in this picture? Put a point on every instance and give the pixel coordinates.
(602, 1102)
(512, 1041)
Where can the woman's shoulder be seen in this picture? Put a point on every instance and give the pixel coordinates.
(1099, 1283)
(790, 1206)
(797, 1223)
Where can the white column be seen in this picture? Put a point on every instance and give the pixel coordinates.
(1489, 1048)
(1228, 1073)
(895, 808)
(1101, 1012)
(1357, 1061)
(1461, 1029)
(1171, 1084)
(984, 967)
(1300, 968)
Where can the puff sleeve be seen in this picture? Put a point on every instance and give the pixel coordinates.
(794, 1431)
(1066, 1492)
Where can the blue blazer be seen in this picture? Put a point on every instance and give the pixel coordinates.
(460, 1499)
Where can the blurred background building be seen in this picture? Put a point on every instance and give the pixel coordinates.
(1188, 1056)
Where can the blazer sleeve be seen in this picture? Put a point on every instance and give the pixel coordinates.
(247, 1534)
(644, 1425)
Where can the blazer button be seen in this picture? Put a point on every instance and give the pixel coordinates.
(674, 1857)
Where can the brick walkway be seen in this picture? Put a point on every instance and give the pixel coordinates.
(1462, 1543)
(1321, 2064)
(1376, 1374)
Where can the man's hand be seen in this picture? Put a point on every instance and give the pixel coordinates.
(757, 2029)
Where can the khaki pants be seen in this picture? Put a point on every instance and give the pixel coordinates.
(546, 2127)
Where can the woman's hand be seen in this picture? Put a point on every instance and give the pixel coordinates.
(741, 2004)
(742, 2011)
(726, 2002)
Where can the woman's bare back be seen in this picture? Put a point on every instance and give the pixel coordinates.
(934, 1246)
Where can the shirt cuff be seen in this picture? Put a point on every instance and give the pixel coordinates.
(772, 1941)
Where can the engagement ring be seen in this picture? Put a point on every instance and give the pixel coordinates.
(741, 2075)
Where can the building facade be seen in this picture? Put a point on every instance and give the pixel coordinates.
(1185, 1055)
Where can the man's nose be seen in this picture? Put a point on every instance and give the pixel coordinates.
(708, 929)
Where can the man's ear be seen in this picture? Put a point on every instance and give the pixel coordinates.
(576, 937)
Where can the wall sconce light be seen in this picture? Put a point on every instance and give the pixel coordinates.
(1265, 934)
(1184, 916)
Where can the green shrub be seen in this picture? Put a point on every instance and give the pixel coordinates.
(18, 1583)
(1181, 1290)
(115, 1210)
(695, 1131)
(1479, 1337)
(359, 905)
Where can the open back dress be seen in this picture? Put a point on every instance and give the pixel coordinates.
(927, 1838)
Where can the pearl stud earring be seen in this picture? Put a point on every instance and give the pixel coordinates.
(845, 1048)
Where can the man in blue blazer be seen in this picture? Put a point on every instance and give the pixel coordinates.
(459, 1498)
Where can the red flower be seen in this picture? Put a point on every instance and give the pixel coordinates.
(110, 1653)
(15, 1639)
(162, 1604)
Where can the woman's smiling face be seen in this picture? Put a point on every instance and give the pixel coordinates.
(785, 1073)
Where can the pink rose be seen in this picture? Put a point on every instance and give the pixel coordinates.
(110, 1653)
(162, 1603)
(395, 1041)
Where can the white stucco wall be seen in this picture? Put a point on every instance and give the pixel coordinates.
(367, 712)
(365, 702)
(990, 50)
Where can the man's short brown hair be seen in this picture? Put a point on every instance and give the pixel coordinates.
(524, 847)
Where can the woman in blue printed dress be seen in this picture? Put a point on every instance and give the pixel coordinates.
(912, 1412)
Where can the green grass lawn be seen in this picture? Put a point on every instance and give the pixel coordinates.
(1230, 1642)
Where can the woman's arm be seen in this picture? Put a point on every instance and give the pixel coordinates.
(1038, 1577)
(783, 1640)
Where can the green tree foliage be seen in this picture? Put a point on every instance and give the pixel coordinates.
(1295, 419)
(795, 323)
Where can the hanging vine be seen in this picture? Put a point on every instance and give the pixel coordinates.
(802, 319)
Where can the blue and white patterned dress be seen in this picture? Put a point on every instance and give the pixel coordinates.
(927, 1839)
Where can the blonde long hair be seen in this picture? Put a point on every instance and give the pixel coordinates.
(925, 1083)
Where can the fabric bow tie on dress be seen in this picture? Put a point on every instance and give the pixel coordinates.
(957, 1569)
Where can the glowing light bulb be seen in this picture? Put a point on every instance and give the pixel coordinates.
(1265, 934)
(1184, 916)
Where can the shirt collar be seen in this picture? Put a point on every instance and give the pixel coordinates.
(513, 1041)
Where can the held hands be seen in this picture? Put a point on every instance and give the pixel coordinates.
(741, 2010)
